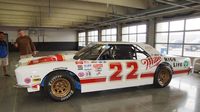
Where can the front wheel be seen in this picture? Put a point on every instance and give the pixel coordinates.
(163, 76)
(59, 86)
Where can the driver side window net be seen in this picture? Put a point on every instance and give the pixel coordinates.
(119, 52)
(123, 52)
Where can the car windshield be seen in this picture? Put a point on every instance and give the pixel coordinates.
(90, 52)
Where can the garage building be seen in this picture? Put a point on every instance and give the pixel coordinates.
(66, 26)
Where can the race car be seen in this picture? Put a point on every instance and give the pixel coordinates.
(97, 67)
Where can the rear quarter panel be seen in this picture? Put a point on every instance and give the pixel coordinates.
(180, 65)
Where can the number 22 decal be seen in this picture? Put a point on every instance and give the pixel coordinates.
(116, 75)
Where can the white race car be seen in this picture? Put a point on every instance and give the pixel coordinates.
(99, 66)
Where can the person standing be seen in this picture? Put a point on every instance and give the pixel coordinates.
(3, 54)
(25, 45)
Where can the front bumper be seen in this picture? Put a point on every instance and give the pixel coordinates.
(22, 86)
(33, 88)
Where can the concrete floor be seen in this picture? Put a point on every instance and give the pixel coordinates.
(182, 95)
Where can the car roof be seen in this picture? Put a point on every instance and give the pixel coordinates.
(148, 48)
(133, 43)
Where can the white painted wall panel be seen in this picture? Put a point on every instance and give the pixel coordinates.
(60, 36)
(50, 35)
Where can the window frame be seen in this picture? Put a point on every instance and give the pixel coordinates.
(93, 37)
(135, 34)
(84, 39)
(184, 31)
(111, 35)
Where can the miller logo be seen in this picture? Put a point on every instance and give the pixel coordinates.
(151, 62)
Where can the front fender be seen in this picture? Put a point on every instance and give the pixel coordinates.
(39, 71)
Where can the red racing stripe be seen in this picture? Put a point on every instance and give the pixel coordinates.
(146, 75)
(92, 80)
(181, 71)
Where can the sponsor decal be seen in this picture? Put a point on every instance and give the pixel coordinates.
(170, 59)
(36, 80)
(79, 62)
(95, 61)
(35, 76)
(87, 67)
(97, 65)
(81, 74)
(186, 63)
(86, 62)
(60, 68)
(98, 68)
(98, 73)
(99, 61)
(177, 64)
(103, 61)
(36, 87)
(80, 67)
(27, 80)
(88, 73)
(151, 62)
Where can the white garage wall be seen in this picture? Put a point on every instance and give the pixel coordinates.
(50, 35)
(60, 36)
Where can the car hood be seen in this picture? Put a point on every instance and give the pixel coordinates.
(45, 59)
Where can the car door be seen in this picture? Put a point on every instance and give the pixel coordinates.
(118, 67)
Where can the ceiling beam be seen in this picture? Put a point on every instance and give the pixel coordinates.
(66, 4)
(140, 4)
(63, 17)
(20, 25)
(28, 24)
(10, 7)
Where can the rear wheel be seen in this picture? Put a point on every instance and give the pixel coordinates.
(163, 76)
(59, 86)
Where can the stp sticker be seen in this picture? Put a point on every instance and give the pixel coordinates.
(27, 80)
(81, 74)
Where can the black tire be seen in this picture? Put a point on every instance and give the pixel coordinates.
(162, 76)
(59, 86)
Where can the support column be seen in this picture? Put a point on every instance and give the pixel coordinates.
(99, 35)
(77, 40)
(151, 27)
(86, 37)
(119, 32)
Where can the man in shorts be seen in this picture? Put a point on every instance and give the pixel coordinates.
(3, 54)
